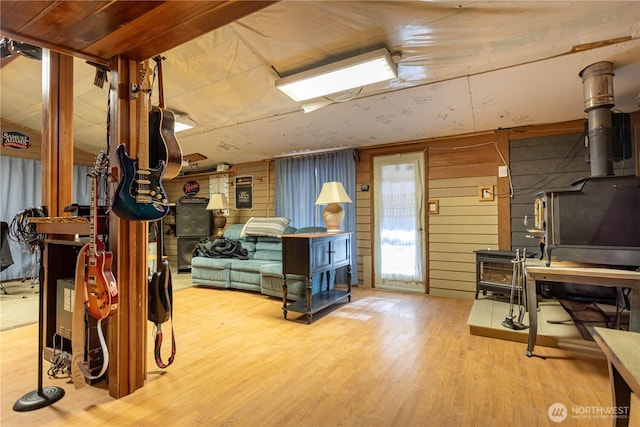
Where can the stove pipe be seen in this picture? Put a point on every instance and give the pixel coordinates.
(597, 87)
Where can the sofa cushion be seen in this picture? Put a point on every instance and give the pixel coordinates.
(268, 255)
(250, 265)
(211, 272)
(271, 226)
(248, 278)
(233, 231)
(269, 246)
(248, 245)
(212, 263)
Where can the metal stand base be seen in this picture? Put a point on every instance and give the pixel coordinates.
(43, 396)
(36, 399)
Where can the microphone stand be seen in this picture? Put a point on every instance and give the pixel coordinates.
(43, 396)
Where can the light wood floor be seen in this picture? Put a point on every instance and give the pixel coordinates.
(385, 359)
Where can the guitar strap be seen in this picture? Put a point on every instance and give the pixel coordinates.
(158, 345)
(158, 326)
(79, 371)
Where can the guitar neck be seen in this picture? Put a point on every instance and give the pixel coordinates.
(143, 148)
(92, 220)
(143, 115)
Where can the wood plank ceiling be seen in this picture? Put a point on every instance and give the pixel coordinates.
(99, 30)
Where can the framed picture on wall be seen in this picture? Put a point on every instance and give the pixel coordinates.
(244, 192)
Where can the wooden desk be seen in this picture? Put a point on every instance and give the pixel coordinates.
(622, 349)
(583, 275)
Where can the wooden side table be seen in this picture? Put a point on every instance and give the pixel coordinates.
(308, 254)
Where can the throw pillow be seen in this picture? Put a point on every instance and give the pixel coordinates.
(272, 227)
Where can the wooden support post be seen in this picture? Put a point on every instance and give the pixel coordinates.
(127, 329)
(57, 131)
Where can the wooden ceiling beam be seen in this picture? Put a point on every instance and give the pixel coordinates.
(99, 31)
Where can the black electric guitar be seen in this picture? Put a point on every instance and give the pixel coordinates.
(140, 195)
(163, 145)
(160, 285)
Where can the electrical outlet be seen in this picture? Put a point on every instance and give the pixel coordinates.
(503, 171)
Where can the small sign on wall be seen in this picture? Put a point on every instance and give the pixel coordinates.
(191, 188)
(16, 140)
(244, 192)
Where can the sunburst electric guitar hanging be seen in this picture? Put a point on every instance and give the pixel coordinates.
(140, 195)
(101, 291)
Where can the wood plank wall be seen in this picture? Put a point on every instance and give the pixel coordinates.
(549, 158)
(455, 169)
(463, 225)
(537, 163)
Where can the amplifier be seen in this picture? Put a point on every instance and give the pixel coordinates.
(65, 299)
(196, 200)
(192, 217)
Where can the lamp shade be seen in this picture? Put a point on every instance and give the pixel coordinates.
(217, 201)
(332, 192)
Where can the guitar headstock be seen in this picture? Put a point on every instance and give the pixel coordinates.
(100, 165)
(143, 80)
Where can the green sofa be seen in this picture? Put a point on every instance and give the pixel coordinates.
(262, 272)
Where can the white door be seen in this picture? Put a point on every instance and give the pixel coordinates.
(398, 182)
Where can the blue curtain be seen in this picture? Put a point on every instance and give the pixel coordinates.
(296, 190)
(298, 181)
(21, 188)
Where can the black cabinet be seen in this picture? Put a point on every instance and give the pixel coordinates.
(308, 254)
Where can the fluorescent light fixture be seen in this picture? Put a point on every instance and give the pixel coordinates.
(361, 70)
(182, 123)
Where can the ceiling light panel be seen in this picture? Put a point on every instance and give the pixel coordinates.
(358, 71)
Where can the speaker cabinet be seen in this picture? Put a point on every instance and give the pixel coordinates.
(192, 218)
(185, 252)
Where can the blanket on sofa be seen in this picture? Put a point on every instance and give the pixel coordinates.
(220, 248)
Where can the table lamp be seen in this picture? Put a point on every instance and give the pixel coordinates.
(332, 194)
(218, 202)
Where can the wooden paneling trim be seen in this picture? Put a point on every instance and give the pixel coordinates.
(449, 293)
(449, 283)
(503, 192)
(525, 132)
(462, 171)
